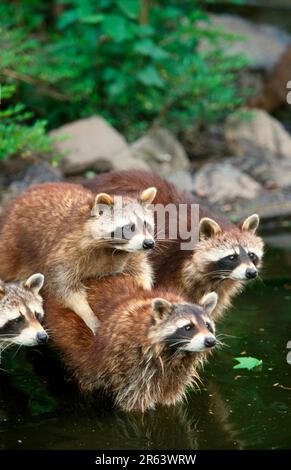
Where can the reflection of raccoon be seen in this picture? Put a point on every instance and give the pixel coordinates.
(64, 231)
(21, 313)
(225, 257)
(147, 348)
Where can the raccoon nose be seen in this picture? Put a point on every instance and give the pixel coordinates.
(41, 337)
(251, 273)
(209, 342)
(148, 244)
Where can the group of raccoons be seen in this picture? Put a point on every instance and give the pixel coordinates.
(132, 314)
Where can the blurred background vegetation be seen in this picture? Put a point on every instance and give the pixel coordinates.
(137, 63)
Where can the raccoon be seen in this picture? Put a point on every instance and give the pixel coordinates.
(148, 348)
(21, 313)
(225, 257)
(70, 235)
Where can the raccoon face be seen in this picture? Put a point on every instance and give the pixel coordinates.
(21, 312)
(235, 254)
(124, 224)
(185, 327)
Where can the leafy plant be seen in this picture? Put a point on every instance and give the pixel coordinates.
(137, 63)
(16, 136)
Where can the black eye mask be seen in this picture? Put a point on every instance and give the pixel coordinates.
(13, 327)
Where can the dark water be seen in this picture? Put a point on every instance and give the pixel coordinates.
(235, 409)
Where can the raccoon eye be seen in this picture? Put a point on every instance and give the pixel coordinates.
(208, 326)
(129, 228)
(18, 320)
(253, 257)
(38, 316)
(188, 327)
(232, 257)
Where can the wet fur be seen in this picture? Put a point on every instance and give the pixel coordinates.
(125, 357)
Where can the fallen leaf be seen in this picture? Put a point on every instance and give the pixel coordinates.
(248, 363)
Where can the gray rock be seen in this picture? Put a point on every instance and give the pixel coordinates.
(222, 183)
(263, 43)
(182, 179)
(34, 174)
(92, 144)
(262, 148)
(161, 151)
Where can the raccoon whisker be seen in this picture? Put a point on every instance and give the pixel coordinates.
(217, 273)
(182, 341)
(220, 345)
(20, 346)
(2, 349)
(4, 336)
(119, 241)
(226, 335)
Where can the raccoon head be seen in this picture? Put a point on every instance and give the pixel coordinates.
(185, 327)
(235, 254)
(21, 312)
(124, 223)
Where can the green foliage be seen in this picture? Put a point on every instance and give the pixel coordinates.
(17, 138)
(136, 62)
(248, 363)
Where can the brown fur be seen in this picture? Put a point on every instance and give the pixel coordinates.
(47, 229)
(275, 90)
(127, 356)
(176, 268)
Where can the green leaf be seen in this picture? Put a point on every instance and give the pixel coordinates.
(247, 363)
(129, 7)
(116, 27)
(148, 48)
(150, 77)
(92, 19)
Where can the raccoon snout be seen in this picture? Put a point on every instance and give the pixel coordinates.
(41, 337)
(251, 273)
(209, 342)
(148, 244)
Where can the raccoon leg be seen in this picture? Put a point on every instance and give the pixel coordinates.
(77, 301)
(140, 269)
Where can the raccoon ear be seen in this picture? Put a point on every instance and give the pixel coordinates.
(102, 199)
(208, 228)
(251, 223)
(209, 302)
(161, 308)
(34, 283)
(148, 195)
(2, 289)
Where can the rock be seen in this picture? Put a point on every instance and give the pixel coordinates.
(262, 148)
(182, 179)
(34, 174)
(161, 151)
(37, 174)
(263, 44)
(222, 182)
(93, 144)
(203, 143)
